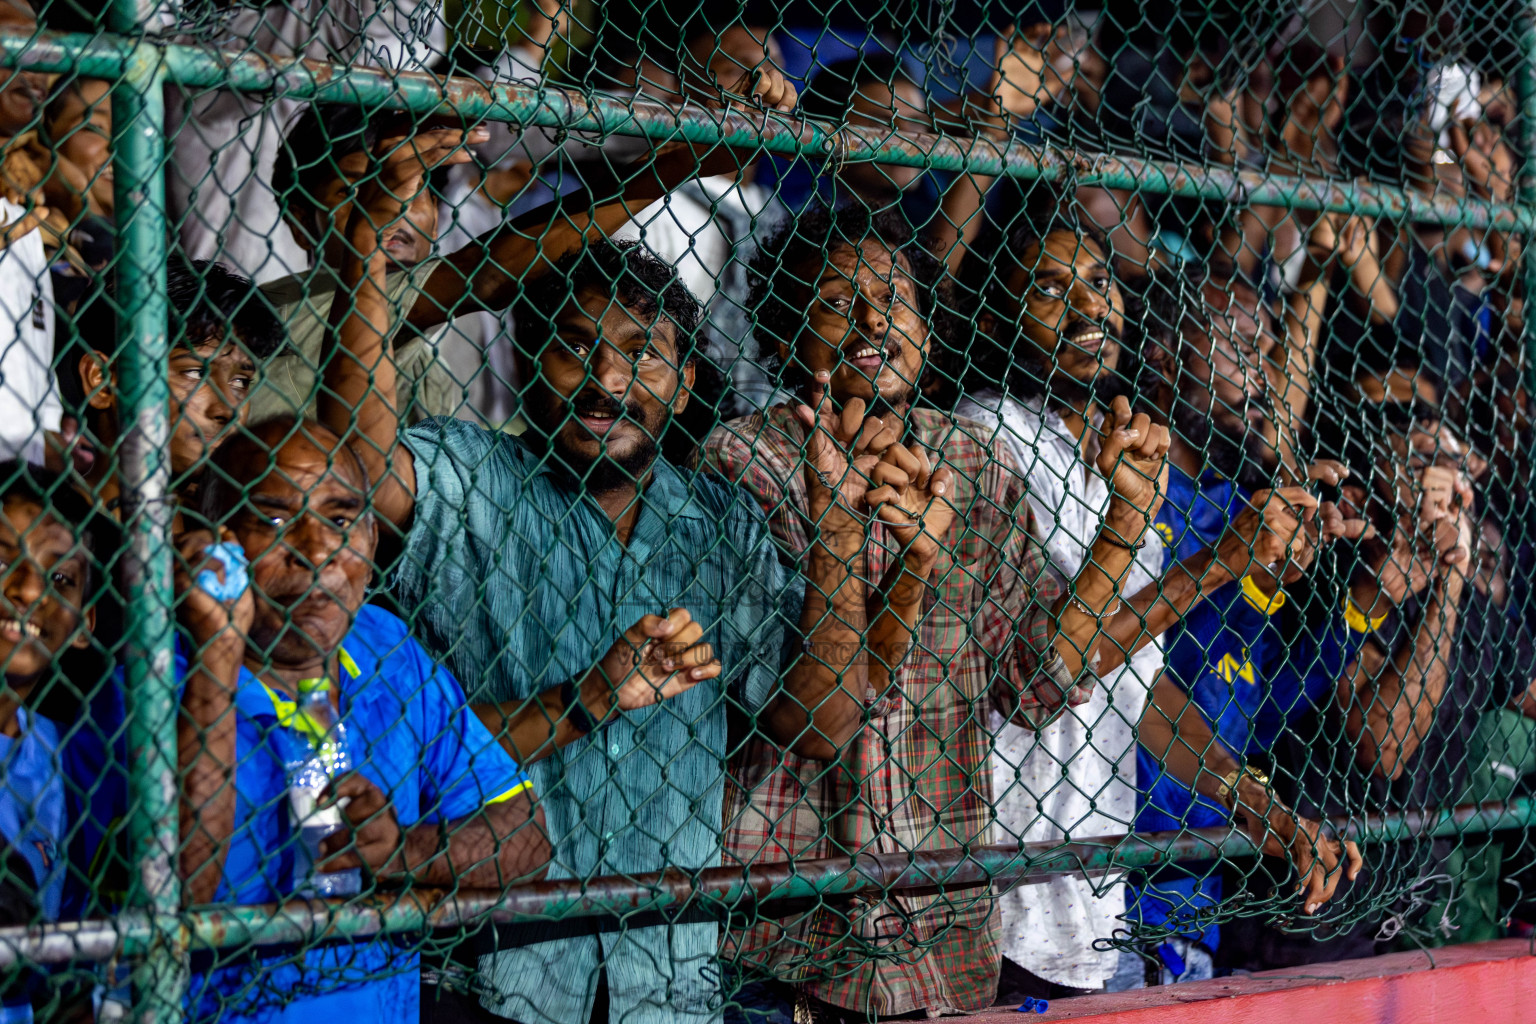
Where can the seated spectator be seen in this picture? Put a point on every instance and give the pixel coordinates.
(591, 507)
(221, 332)
(74, 143)
(976, 620)
(458, 810)
(77, 129)
(326, 153)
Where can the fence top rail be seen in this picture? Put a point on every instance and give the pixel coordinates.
(711, 891)
(559, 107)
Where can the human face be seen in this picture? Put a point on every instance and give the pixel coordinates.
(82, 128)
(605, 389)
(880, 108)
(1070, 309)
(209, 386)
(864, 327)
(311, 548)
(407, 242)
(1223, 406)
(22, 93)
(44, 572)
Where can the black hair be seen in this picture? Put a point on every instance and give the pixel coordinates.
(783, 272)
(80, 671)
(53, 493)
(219, 493)
(323, 135)
(643, 283)
(986, 288)
(207, 302)
(830, 95)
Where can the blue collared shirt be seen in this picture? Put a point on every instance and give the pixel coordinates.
(412, 734)
(517, 578)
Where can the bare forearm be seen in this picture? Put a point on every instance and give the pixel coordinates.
(1174, 731)
(491, 270)
(501, 844)
(1400, 708)
(820, 703)
(530, 730)
(205, 749)
(895, 610)
(1079, 615)
(358, 399)
(1158, 606)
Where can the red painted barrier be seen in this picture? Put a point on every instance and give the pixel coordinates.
(1483, 983)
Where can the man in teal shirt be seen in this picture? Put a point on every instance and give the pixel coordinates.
(562, 560)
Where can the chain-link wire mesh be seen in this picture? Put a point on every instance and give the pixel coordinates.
(789, 512)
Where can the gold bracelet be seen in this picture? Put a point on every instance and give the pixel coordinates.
(1227, 792)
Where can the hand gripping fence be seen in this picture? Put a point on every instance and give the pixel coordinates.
(1152, 691)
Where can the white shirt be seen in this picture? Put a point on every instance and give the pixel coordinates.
(29, 396)
(682, 229)
(1049, 928)
(224, 143)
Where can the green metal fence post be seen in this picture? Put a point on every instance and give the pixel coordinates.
(138, 117)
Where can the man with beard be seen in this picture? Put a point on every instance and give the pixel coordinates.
(989, 626)
(1053, 316)
(1204, 353)
(562, 558)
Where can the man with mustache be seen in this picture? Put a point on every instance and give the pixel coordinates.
(549, 562)
(333, 150)
(845, 296)
(1205, 341)
(432, 799)
(1052, 314)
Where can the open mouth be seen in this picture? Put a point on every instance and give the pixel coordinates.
(867, 358)
(1088, 341)
(598, 423)
(16, 630)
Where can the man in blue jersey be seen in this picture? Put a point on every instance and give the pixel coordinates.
(432, 800)
(1204, 346)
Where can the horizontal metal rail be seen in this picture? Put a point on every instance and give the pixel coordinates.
(550, 106)
(719, 890)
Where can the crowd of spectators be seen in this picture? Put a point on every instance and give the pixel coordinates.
(647, 506)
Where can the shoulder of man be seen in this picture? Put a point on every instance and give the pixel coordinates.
(748, 449)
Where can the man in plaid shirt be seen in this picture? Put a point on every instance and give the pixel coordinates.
(987, 627)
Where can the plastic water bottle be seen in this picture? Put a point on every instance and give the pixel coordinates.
(317, 754)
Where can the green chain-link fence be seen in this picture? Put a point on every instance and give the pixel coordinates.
(1026, 491)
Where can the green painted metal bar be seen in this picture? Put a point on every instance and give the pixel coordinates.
(555, 107)
(138, 118)
(716, 890)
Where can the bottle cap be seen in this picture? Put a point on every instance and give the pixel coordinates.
(313, 685)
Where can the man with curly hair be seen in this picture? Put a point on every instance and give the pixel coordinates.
(961, 619)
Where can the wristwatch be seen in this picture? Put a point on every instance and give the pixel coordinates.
(1227, 793)
(575, 711)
